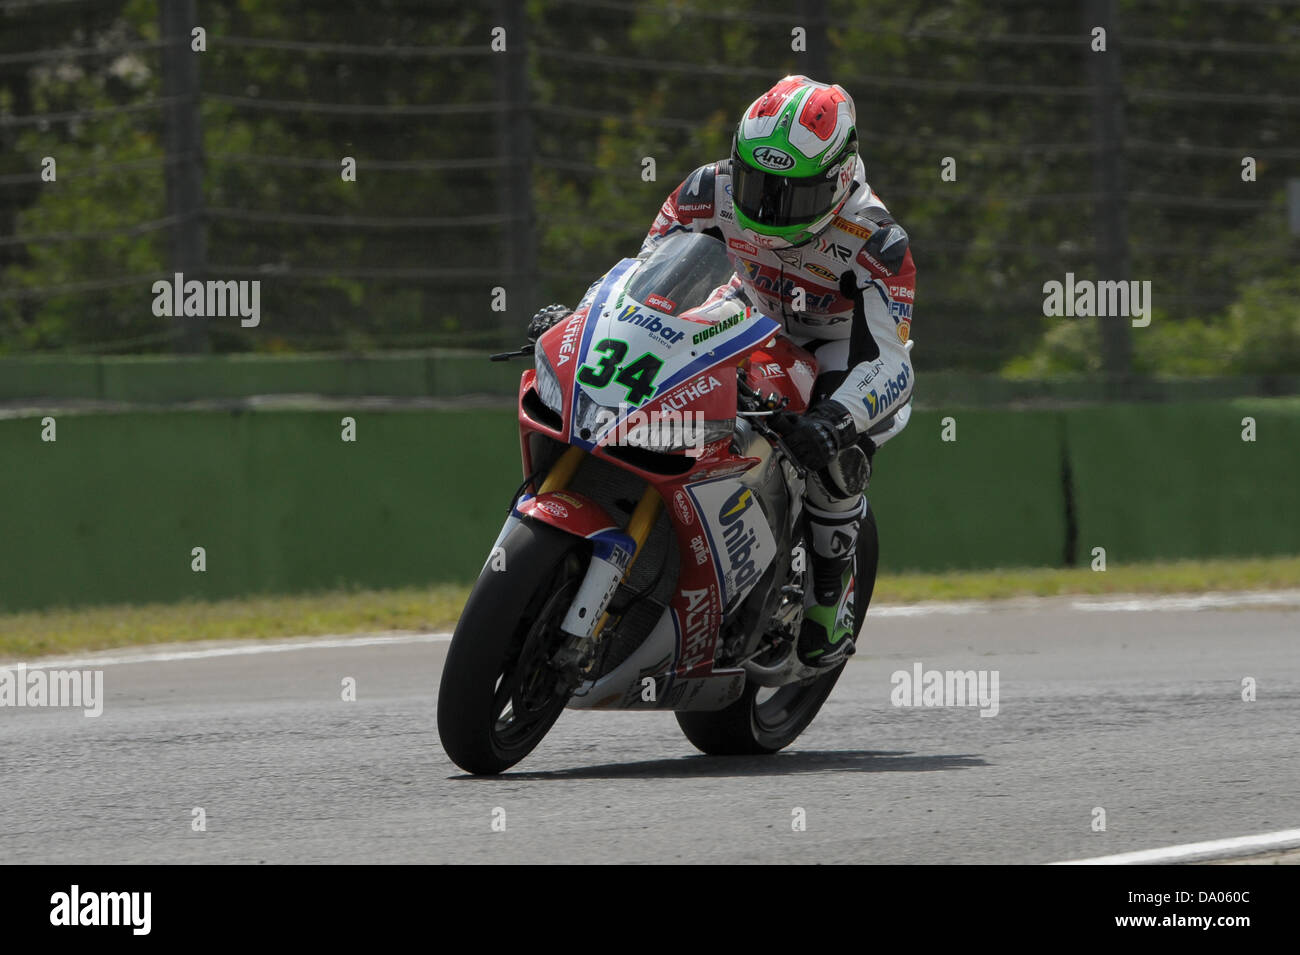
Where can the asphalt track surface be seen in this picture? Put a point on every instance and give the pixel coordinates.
(1102, 704)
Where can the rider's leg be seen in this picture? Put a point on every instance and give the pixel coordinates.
(835, 509)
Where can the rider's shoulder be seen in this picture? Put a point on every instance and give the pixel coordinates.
(697, 196)
(865, 203)
(701, 182)
(862, 214)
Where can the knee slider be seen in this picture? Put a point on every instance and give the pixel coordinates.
(847, 474)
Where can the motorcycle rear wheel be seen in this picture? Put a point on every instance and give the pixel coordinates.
(499, 696)
(758, 724)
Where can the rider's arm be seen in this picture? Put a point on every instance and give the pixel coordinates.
(690, 208)
(878, 388)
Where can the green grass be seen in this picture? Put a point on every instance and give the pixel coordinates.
(247, 618)
(45, 632)
(1185, 576)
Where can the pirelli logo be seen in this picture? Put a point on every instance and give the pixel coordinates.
(852, 228)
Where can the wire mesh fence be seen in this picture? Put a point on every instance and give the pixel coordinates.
(404, 174)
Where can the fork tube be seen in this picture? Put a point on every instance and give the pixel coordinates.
(638, 528)
(643, 519)
(562, 472)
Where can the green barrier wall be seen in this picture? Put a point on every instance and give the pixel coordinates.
(993, 497)
(1164, 482)
(163, 379)
(110, 511)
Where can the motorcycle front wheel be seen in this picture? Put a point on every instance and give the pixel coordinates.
(499, 695)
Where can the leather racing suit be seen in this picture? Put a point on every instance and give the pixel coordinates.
(856, 294)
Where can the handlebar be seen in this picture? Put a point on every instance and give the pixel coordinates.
(754, 402)
(524, 351)
(760, 407)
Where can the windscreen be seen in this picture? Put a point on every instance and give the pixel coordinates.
(681, 273)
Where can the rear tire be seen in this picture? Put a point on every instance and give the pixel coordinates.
(751, 726)
(499, 696)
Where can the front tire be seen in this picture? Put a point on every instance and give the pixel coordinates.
(499, 695)
(756, 723)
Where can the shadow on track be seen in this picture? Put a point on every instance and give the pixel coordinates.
(779, 764)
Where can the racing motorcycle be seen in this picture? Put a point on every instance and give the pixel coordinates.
(653, 557)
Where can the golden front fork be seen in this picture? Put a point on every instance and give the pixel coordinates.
(638, 527)
(562, 472)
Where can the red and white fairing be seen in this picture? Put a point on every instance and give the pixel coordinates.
(724, 540)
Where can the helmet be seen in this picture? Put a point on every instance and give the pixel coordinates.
(792, 161)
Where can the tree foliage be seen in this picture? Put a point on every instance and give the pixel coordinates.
(1003, 90)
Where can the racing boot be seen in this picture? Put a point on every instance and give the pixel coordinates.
(826, 637)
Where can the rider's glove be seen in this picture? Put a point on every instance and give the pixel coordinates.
(887, 245)
(545, 318)
(813, 439)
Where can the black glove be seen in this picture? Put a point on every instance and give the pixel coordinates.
(813, 439)
(544, 319)
(888, 245)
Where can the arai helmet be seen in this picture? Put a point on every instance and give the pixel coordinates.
(792, 161)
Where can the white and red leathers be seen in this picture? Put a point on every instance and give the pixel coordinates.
(856, 313)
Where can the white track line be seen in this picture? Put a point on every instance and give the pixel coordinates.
(239, 650)
(931, 607)
(1126, 603)
(1199, 851)
(1208, 601)
(1117, 603)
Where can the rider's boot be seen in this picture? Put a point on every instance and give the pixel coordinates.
(826, 637)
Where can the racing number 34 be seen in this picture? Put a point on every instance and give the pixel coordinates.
(638, 376)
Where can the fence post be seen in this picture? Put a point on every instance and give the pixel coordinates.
(515, 147)
(184, 170)
(813, 16)
(1110, 185)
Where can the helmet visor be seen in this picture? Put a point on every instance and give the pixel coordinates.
(778, 201)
